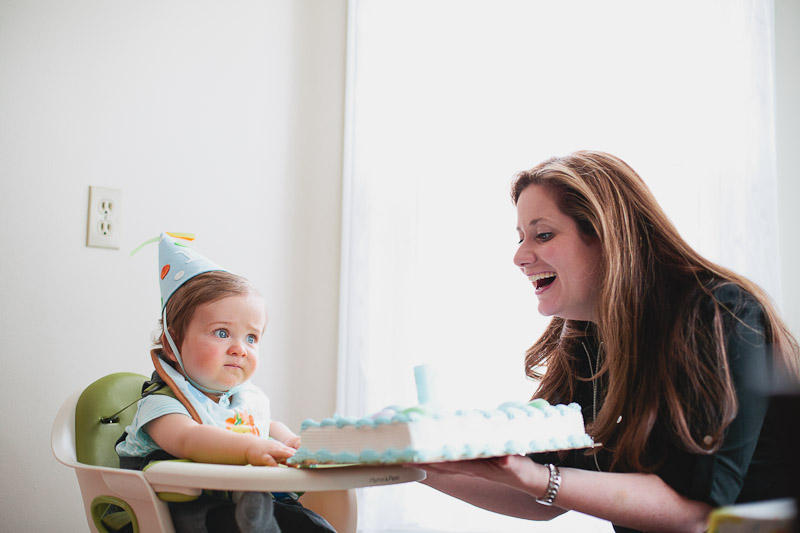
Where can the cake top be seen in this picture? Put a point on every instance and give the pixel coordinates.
(395, 414)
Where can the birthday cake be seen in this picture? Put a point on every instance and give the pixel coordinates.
(420, 434)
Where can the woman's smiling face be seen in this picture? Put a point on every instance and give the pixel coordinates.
(563, 264)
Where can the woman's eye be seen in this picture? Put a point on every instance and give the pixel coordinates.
(545, 236)
(221, 333)
(252, 339)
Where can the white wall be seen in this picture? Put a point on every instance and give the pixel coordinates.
(218, 118)
(787, 125)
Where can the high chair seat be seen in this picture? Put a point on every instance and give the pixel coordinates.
(83, 438)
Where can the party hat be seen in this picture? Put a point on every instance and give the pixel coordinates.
(179, 264)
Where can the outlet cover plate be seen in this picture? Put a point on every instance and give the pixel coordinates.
(103, 223)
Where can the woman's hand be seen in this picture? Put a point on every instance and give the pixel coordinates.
(497, 484)
(515, 471)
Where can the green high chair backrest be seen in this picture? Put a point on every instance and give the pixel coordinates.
(104, 410)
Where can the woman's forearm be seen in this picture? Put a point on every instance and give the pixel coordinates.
(510, 485)
(639, 501)
(490, 495)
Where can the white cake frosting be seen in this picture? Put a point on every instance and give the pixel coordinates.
(419, 434)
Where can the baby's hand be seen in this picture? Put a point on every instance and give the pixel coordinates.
(293, 441)
(268, 452)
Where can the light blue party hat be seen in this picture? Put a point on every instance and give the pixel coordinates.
(178, 264)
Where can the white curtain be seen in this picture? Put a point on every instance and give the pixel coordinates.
(447, 99)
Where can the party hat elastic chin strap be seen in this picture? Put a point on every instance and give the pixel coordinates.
(224, 393)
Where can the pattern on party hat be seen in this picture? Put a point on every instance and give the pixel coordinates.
(179, 264)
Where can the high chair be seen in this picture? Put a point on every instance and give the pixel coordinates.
(89, 423)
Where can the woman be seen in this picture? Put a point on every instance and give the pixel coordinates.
(669, 355)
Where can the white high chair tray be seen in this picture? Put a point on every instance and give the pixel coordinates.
(183, 477)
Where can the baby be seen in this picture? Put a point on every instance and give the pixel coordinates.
(207, 351)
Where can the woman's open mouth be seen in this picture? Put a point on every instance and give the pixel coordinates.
(542, 279)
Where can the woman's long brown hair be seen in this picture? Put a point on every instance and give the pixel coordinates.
(661, 361)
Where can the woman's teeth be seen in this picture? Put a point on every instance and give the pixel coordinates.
(542, 279)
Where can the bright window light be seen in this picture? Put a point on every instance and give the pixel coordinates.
(447, 100)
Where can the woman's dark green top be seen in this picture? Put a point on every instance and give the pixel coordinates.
(750, 465)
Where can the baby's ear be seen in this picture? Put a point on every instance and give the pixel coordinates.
(166, 349)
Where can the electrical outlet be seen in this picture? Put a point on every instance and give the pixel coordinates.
(102, 228)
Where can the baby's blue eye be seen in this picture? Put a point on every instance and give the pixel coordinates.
(221, 333)
(251, 339)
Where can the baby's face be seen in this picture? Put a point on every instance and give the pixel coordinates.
(220, 345)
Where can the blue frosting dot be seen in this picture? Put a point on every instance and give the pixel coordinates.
(362, 422)
(510, 405)
(494, 449)
(370, 456)
(299, 456)
(309, 423)
(538, 445)
(449, 453)
(324, 455)
(393, 455)
(346, 457)
(345, 421)
(514, 447)
(428, 455)
(576, 441)
(401, 418)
